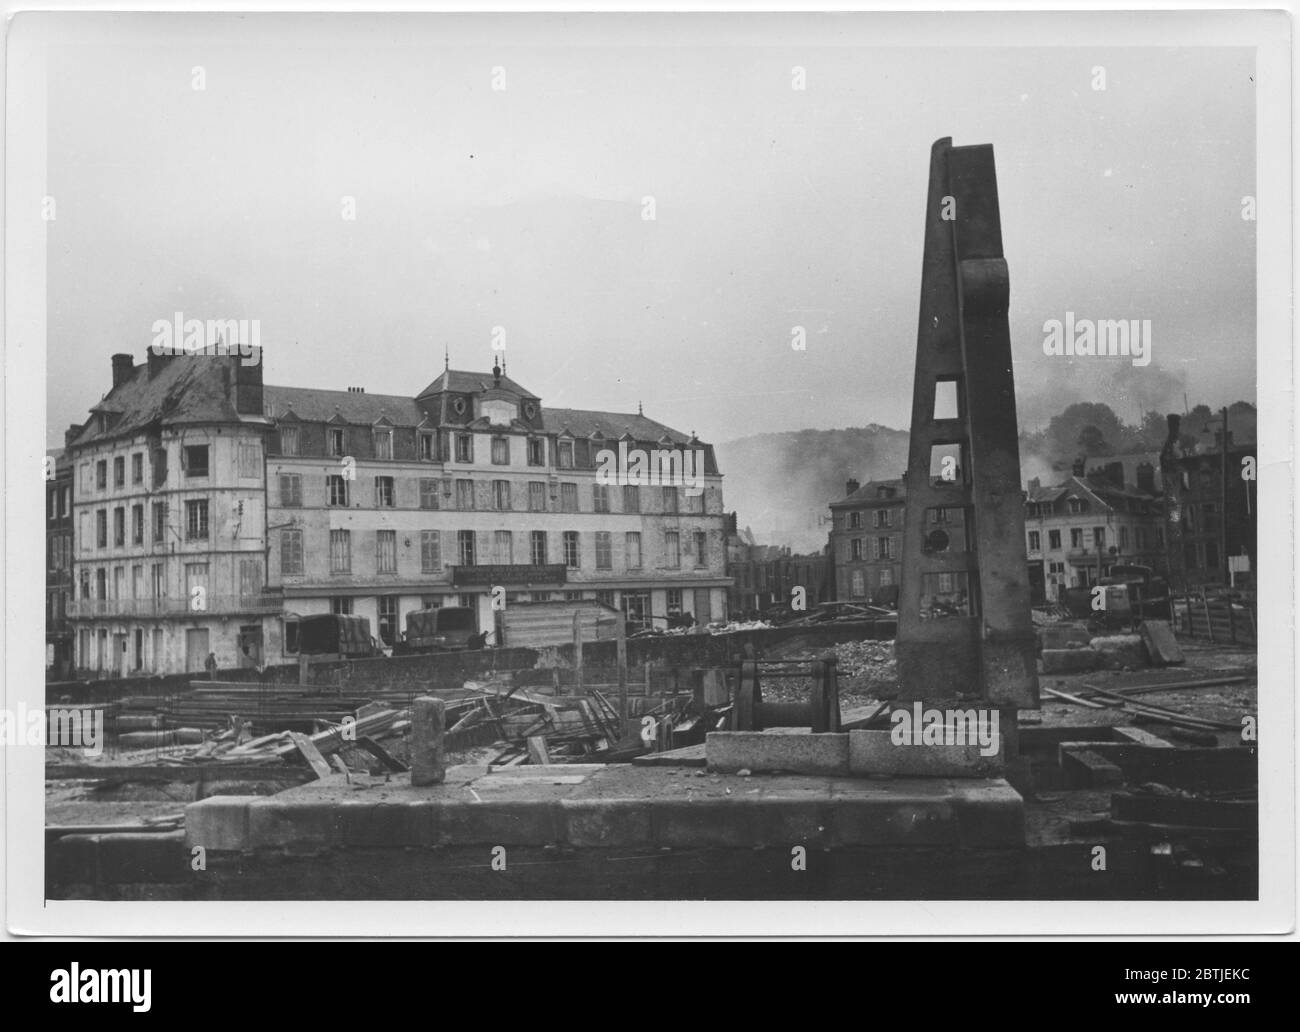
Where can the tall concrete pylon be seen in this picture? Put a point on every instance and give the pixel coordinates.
(964, 627)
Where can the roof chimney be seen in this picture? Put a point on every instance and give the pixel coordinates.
(71, 434)
(850, 486)
(1035, 484)
(123, 366)
(248, 383)
(1079, 465)
(496, 374)
(157, 361)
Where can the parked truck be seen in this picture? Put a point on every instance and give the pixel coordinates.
(440, 629)
(337, 635)
(1131, 593)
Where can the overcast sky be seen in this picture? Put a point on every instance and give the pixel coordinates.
(522, 208)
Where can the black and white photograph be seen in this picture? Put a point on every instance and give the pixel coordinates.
(597, 459)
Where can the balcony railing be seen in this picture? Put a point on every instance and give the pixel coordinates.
(213, 605)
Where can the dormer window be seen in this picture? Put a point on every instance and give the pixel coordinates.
(288, 440)
(428, 447)
(338, 441)
(564, 455)
(384, 443)
(536, 452)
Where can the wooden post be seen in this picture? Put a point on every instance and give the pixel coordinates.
(428, 720)
(1209, 623)
(577, 653)
(1232, 623)
(620, 644)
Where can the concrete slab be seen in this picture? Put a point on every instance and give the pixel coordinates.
(760, 752)
(617, 806)
(1161, 643)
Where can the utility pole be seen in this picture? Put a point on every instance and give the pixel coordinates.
(1223, 496)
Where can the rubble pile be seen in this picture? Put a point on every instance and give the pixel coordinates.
(872, 660)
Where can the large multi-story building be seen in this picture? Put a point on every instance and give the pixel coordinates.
(866, 540)
(58, 564)
(383, 504)
(169, 510)
(1080, 527)
(212, 512)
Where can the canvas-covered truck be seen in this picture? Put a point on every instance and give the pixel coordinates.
(336, 635)
(537, 624)
(1127, 594)
(440, 629)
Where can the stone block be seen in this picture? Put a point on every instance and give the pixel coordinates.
(759, 752)
(218, 824)
(958, 755)
(1123, 650)
(606, 823)
(1161, 644)
(1064, 635)
(275, 823)
(1070, 661)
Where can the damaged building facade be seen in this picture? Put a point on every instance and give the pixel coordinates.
(211, 512)
(169, 519)
(1077, 529)
(380, 505)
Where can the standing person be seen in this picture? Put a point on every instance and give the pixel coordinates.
(210, 665)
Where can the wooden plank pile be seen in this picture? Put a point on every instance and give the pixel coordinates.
(209, 705)
(236, 745)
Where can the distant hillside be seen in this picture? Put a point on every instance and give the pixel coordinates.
(780, 484)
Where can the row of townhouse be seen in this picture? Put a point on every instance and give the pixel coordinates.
(212, 511)
(1077, 529)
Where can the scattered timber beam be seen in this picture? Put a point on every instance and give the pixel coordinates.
(1223, 768)
(311, 754)
(537, 752)
(381, 754)
(161, 773)
(1071, 698)
(1182, 810)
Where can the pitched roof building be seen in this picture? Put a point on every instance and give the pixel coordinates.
(195, 481)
